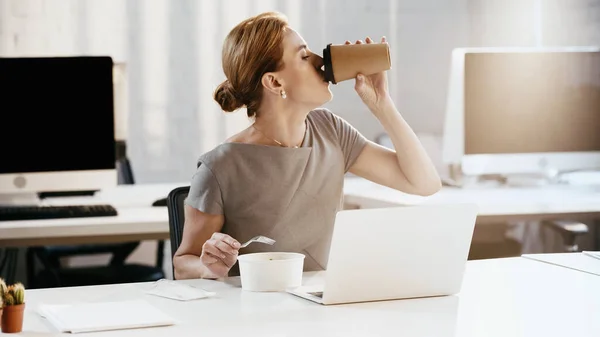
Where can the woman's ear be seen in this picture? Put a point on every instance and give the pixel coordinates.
(272, 83)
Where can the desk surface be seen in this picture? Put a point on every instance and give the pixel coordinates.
(137, 220)
(495, 204)
(501, 297)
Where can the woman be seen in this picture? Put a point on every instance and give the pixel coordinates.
(282, 177)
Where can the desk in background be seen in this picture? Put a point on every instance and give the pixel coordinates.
(138, 220)
(498, 204)
(500, 209)
(499, 297)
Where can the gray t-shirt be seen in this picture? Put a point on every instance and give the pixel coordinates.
(288, 194)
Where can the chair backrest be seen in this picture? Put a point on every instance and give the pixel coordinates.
(124, 170)
(175, 202)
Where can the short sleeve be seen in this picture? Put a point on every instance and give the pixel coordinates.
(205, 192)
(351, 140)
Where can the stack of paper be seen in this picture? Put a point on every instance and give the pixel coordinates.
(89, 317)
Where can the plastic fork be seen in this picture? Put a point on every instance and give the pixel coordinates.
(259, 238)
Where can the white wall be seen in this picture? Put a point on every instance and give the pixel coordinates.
(172, 51)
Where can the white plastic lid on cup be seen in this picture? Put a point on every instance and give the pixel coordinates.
(272, 271)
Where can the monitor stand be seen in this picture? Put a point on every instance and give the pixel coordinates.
(44, 195)
(528, 180)
(509, 180)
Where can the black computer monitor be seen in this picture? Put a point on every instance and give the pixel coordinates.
(56, 124)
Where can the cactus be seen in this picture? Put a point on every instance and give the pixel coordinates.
(8, 299)
(18, 293)
(15, 294)
(3, 290)
(3, 287)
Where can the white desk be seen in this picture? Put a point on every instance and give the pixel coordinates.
(498, 204)
(137, 220)
(503, 297)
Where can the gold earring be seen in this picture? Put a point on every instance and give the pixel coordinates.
(283, 95)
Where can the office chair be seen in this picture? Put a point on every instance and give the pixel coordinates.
(175, 208)
(570, 231)
(8, 264)
(54, 274)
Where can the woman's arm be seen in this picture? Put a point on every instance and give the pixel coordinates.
(407, 168)
(204, 252)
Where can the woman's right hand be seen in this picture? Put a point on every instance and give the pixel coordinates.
(219, 254)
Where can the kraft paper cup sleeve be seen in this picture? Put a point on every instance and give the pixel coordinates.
(344, 62)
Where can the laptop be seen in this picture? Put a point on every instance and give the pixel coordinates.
(395, 253)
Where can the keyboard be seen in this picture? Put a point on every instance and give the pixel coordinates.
(10, 213)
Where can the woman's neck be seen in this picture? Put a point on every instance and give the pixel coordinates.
(285, 127)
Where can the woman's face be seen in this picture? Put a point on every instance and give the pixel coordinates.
(302, 76)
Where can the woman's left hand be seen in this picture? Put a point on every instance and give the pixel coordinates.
(372, 89)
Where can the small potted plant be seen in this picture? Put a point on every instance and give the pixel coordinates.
(13, 297)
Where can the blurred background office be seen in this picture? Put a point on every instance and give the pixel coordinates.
(171, 50)
(167, 56)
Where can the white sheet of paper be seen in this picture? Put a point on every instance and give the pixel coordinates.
(576, 261)
(104, 316)
(593, 254)
(177, 291)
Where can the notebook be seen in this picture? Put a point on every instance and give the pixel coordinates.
(104, 316)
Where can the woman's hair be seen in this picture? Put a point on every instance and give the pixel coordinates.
(252, 48)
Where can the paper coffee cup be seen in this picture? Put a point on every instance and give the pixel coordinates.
(345, 61)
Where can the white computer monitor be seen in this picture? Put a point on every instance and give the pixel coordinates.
(523, 110)
(57, 126)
